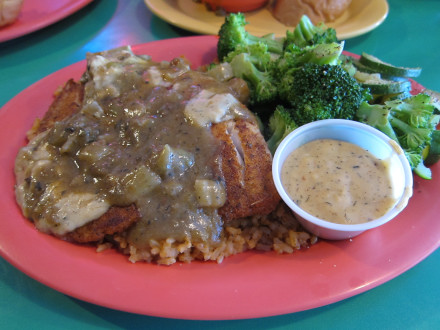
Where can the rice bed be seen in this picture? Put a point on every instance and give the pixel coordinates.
(278, 231)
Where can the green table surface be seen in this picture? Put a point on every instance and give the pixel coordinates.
(410, 36)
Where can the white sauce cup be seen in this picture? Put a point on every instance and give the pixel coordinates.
(367, 137)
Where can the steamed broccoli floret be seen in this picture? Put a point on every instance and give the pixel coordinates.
(316, 92)
(294, 56)
(432, 152)
(263, 62)
(280, 125)
(262, 88)
(233, 34)
(347, 63)
(417, 110)
(414, 158)
(411, 137)
(306, 34)
(253, 65)
(257, 53)
(376, 115)
(411, 122)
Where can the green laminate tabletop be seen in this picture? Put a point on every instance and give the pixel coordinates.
(410, 36)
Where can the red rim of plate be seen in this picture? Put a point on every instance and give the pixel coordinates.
(35, 15)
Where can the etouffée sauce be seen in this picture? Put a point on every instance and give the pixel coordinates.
(338, 181)
(142, 136)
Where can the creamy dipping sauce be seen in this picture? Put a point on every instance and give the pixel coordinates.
(338, 181)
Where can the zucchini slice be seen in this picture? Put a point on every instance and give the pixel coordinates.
(435, 98)
(380, 86)
(422, 171)
(433, 155)
(387, 69)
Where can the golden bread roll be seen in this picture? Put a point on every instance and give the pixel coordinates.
(9, 10)
(289, 12)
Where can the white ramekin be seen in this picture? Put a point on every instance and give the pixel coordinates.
(364, 136)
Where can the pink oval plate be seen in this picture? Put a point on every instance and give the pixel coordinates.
(248, 285)
(35, 15)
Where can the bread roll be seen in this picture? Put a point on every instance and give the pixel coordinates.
(289, 12)
(9, 10)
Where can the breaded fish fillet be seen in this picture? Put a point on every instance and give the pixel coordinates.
(247, 170)
(67, 102)
(245, 167)
(115, 220)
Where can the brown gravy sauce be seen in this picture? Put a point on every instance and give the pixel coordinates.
(130, 143)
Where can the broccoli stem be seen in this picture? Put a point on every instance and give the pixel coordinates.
(377, 115)
(415, 137)
(280, 125)
(263, 89)
(273, 45)
(232, 35)
(305, 34)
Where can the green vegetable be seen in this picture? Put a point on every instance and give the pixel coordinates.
(410, 122)
(377, 115)
(262, 63)
(394, 96)
(381, 86)
(294, 56)
(315, 92)
(263, 89)
(383, 68)
(280, 125)
(252, 65)
(347, 62)
(422, 171)
(433, 154)
(232, 34)
(304, 77)
(385, 81)
(307, 34)
(435, 99)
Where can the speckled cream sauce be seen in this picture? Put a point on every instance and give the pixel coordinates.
(338, 181)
